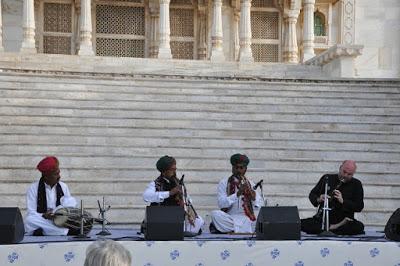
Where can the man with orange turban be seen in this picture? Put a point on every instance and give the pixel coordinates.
(43, 197)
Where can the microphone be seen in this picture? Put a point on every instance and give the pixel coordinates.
(258, 184)
(181, 180)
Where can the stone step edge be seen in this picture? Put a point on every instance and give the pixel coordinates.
(137, 194)
(21, 70)
(191, 182)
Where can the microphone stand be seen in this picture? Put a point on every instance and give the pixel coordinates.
(82, 218)
(325, 214)
(262, 195)
(102, 211)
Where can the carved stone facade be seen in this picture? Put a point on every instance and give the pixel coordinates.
(269, 31)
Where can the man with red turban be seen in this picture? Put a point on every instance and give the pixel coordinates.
(238, 201)
(44, 197)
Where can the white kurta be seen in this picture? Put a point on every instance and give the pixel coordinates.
(150, 195)
(235, 220)
(34, 220)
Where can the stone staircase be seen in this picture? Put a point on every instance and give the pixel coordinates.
(108, 132)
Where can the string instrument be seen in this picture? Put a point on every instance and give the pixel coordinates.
(330, 199)
(182, 200)
(247, 198)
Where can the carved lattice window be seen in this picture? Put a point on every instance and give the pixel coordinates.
(57, 28)
(262, 3)
(265, 25)
(265, 52)
(319, 24)
(182, 29)
(120, 29)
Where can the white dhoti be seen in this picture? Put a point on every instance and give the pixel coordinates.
(198, 223)
(33, 222)
(238, 223)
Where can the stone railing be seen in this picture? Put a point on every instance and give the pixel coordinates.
(337, 61)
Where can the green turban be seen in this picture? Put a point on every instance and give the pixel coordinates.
(165, 162)
(240, 159)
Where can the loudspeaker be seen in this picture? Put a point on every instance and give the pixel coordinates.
(278, 223)
(11, 226)
(164, 223)
(392, 228)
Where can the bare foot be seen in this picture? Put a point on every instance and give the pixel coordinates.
(341, 223)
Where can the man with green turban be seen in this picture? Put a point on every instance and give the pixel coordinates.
(238, 201)
(166, 190)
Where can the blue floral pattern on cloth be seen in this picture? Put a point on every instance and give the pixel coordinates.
(174, 254)
(42, 245)
(251, 243)
(13, 257)
(349, 242)
(299, 242)
(149, 243)
(200, 243)
(324, 252)
(199, 264)
(69, 256)
(148, 264)
(348, 263)
(225, 254)
(275, 253)
(249, 264)
(374, 252)
(299, 263)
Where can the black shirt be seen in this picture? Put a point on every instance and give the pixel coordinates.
(352, 193)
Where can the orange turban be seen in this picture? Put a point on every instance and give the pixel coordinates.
(48, 164)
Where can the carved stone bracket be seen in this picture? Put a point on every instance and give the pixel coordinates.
(338, 61)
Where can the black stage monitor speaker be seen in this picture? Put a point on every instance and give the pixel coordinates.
(164, 223)
(392, 228)
(11, 226)
(278, 223)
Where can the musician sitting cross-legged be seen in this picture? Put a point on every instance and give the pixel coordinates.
(238, 201)
(43, 197)
(165, 190)
(345, 197)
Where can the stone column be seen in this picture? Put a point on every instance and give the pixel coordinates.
(202, 47)
(86, 45)
(1, 28)
(290, 54)
(245, 54)
(308, 29)
(28, 27)
(164, 48)
(236, 40)
(217, 52)
(329, 25)
(154, 21)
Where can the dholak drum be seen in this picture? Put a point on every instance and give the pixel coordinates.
(71, 218)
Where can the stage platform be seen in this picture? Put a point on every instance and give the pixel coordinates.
(212, 250)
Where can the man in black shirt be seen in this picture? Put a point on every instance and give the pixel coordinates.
(345, 195)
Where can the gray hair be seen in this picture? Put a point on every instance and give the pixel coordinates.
(107, 253)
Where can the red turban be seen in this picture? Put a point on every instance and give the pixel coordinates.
(48, 164)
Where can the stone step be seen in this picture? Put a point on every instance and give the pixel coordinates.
(381, 190)
(231, 85)
(131, 162)
(186, 103)
(281, 176)
(228, 144)
(278, 112)
(143, 93)
(121, 151)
